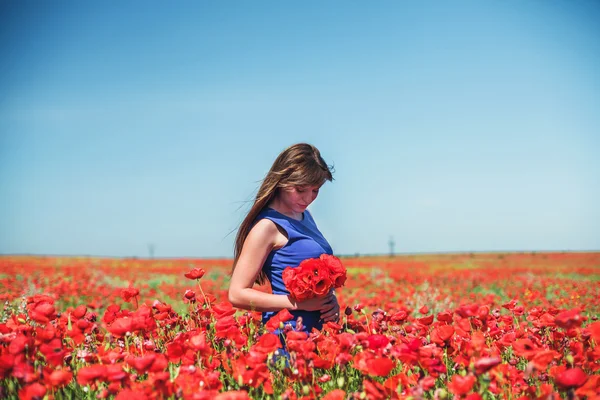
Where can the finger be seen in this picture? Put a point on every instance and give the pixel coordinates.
(332, 315)
(325, 308)
(331, 311)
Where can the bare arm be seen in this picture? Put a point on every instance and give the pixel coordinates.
(259, 243)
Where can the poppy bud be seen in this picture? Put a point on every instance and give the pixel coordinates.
(570, 359)
(348, 311)
(341, 381)
(305, 390)
(190, 294)
(441, 394)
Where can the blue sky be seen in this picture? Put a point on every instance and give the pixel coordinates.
(452, 126)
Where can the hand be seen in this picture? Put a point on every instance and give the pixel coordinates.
(316, 304)
(332, 313)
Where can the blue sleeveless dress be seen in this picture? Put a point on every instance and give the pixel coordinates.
(304, 241)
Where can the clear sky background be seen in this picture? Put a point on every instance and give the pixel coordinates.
(452, 126)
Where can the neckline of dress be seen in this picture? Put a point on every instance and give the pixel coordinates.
(288, 217)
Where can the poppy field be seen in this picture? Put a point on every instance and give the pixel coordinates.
(457, 326)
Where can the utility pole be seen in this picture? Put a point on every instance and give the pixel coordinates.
(151, 248)
(392, 244)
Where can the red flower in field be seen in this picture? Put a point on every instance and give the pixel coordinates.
(79, 311)
(199, 344)
(111, 313)
(591, 389)
(143, 363)
(485, 364)
(121, 326)
(129, 293)
(87, 375)
(60, 378)
(42, 312)
(399, 317)
(195, 273)
(461, 384)
(267, 343)
(115, 372)
(377, 341)
(233, 395)
(441, 334)
(19, 344)
(542, 358)
(53, 352)
(128, 394)
(424, 310)
(282, 316)
(569, 319)
(427, 383)
(594, 329)
(376, 391)
(510, 305)
(32, 392)
(7, 361)
(571, 378)
(380, 366)
(369, 364)
(524, 348)
(445, 316)
(189, 296)
(426, 320)
(336, 394)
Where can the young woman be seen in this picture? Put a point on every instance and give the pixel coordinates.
(279, 232)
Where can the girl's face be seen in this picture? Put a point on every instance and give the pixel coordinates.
(298, 198)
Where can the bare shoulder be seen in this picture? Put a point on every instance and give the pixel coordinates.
(264, 230)
(269, 233)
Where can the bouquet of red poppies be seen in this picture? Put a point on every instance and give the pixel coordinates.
(314, 277)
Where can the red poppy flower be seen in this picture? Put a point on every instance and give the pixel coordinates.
(128, 394)
(267, 343)
(377, 342)
(314, 277)
(233, 395)
(142, 364)
(542, 358)
(336, 394)
(79, 311)
(60, 378)
(274, 322)
(594, 329)
(441, 334)
(379, 366)
(87, 375)
(569, 319)
(32, 392)
(195, 273)
(121, 326)
(129, 293)
(461, 384)
(571, 378)
(485, 364)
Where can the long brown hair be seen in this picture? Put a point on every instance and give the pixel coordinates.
(299, 165)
